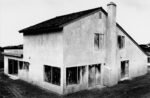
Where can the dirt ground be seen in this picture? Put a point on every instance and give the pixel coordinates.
(136, 88)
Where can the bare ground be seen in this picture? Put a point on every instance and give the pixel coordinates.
(136, 88)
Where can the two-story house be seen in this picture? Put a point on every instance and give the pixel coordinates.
(78, 51)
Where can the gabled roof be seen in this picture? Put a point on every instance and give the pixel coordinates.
(57, 23)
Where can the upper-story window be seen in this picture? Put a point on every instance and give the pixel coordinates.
(100, 15)
(148, 59)
(121, 41)
(98, 41)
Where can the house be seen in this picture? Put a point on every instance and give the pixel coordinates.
(15, 54)
(146, 48)
(7, 48)
(78, 51)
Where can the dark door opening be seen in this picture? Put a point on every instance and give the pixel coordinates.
(12, 66)
(124, 69)
(94, 75)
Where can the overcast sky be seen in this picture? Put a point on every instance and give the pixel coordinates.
(132, 15)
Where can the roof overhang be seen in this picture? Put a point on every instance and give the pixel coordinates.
(16, 55)
(41, 31)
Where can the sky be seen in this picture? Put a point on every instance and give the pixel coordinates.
(132, 15)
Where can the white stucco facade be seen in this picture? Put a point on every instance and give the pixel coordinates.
(74, 47)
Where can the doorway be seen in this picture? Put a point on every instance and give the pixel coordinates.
(124, 69)
(94, 75)
(12, 66)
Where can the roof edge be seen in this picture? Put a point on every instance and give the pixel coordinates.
(11, 55)
(131, 38)
(100, 8)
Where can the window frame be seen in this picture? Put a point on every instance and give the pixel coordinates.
(121, 41)
(52, 77)
(98, 41)
(78, 72)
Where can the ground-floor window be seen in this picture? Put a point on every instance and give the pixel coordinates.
(124, 68)
(12, 66)
(26, 66)
(74, 74)
(52, 74)
(15, 65)
(20, 65)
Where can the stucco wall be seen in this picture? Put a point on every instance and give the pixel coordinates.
(79, 51)
(79, 46)
(79, 41)
(137, 59)
(40, 50)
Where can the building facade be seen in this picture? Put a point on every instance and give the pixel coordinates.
(79, 51)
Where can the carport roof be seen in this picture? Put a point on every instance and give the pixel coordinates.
(17, 54)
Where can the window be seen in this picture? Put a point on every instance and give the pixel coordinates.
(98, 41)
(94, 77)
(148, 59)
(56, 75)
(81, 73)
(20, 65)
(48, 74)
(26, 66)
(124, 69)
(74, 75)
(52, 74)
(121, 41)
(100, 15)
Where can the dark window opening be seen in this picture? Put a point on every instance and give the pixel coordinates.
(100, 15)
(72, 75)
(20, 65)
(52, 74)
(148, 59)
(56, 75)
(75, 75)
(121, 41)
(48, 74)
(98, 41)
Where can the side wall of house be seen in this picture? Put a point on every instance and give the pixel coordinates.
(137, 59)
(79, 47)
(40, 50)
